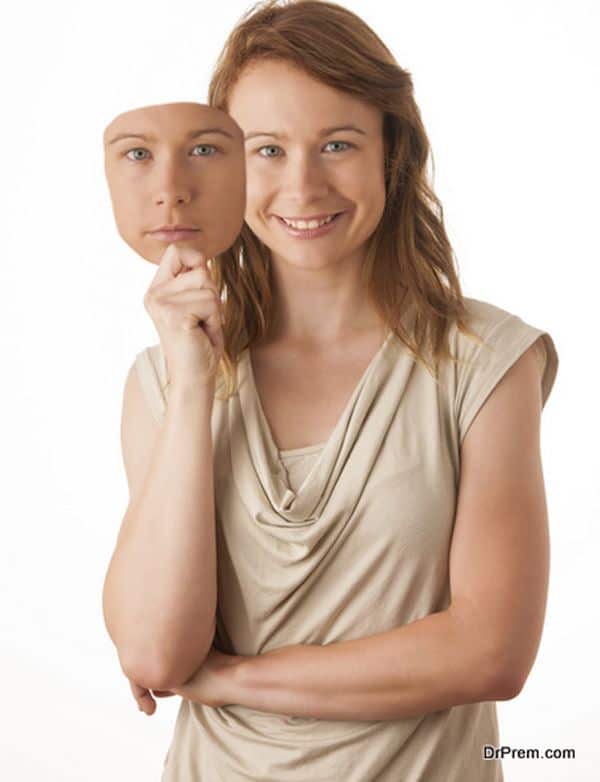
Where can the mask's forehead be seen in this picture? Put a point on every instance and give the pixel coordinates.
(173, 123)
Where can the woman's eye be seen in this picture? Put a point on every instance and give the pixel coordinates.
(269, 146)
(198, 146)
(346, 145)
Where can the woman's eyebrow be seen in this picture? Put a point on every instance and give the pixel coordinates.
(323, 132)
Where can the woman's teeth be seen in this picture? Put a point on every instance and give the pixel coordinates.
(310, 224)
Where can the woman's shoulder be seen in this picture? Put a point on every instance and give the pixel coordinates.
(484, 315)
(503, 336)
(495, 327)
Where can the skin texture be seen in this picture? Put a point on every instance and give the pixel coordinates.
(483, 645)
(320, 298)
(176, 180)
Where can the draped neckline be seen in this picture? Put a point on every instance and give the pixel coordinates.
(257, 467)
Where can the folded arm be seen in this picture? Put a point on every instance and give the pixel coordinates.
(480, 648)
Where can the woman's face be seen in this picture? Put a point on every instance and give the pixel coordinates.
(298, 165)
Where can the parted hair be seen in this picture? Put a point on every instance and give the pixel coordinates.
(409, 259)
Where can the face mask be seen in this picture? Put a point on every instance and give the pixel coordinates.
(176, 164)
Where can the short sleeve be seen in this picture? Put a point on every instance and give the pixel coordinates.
(151, 369)
(481, 367)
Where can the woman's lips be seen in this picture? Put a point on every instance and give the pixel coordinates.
(311, 233)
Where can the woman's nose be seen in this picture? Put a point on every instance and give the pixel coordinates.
(305, 176)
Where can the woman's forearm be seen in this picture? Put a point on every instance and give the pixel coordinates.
(160, 591)
(428, 665)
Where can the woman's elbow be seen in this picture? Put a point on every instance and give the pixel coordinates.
(506, 679)
(165, 672)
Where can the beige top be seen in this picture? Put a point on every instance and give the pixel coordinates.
(298, 463)
(346, 541)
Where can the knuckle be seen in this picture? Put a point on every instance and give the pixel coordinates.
(212, 292)
(152, 298)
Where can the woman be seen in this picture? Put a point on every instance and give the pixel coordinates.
(380, 517)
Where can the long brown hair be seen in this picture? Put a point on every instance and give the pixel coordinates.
(409, 254)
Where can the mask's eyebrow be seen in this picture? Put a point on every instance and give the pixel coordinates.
(192, 134)
(323, 132)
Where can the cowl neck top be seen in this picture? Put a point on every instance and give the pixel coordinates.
(298, 462)
(359, 548)
(257, 468)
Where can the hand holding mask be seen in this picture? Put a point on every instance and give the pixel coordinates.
(177, 182)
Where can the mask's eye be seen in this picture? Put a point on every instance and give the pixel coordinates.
(212, 151)
(137, 149)
(206, 146)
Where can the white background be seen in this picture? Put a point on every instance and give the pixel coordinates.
(509, 96)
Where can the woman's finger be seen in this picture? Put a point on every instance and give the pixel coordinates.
(143, 697)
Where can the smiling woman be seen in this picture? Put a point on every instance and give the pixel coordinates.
(314, 172)
(331, 130)
(376, 447)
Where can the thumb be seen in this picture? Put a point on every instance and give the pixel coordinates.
(170, 265)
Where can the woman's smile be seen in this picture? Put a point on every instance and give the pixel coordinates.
(303, 229)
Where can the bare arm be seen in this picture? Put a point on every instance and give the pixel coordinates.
(484, 644)
(159, 596)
